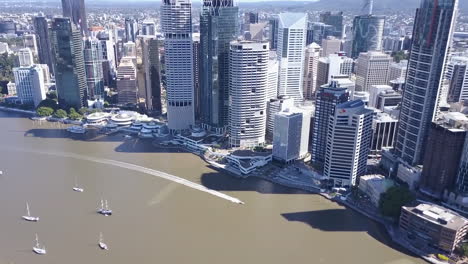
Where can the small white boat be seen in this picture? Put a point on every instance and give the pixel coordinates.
(1, 172)
(29, 217)
(101, 244)
(38, 249)
(76, 130)
(104, 210)
(76, 188)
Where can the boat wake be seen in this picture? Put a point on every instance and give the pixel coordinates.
(142, 169)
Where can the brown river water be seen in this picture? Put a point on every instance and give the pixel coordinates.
(158, 220)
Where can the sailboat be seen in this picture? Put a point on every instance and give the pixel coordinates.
(101, 244)
(38, 249)
(104, 210)
(29, 217)
(76, 188)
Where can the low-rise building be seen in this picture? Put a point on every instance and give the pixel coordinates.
(247, 161)
(409, 175)
(374, 186)
(431, 226)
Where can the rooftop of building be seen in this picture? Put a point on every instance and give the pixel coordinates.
(384, 117)
(439, 215)
(251, 153)
(289, 20)
(453, 121)
(377, 182)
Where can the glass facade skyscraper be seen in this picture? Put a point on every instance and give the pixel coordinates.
(219, 25)
(93, 66)
(75, 9)
(41, 27)
(367, 34)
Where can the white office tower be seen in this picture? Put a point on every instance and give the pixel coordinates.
(275, 106)
(248, 80)
(371, 69)
(312, 56)
(25, 57)
(287, 136)
(333, 65)
(148, 28)
(127, 87)
(330, 45)
(397, 70)
(129, 49)
(457, 76)
(375, 91)
(291, 52)
(273, 68)
(30, 42)
(30, 85)
(176, 22)
(348, 143)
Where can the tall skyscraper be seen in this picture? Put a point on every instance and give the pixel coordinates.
(197, 75)
(291, 52)
(41, 28)
(218, 27)
(70, 75)
(333, 65)
(367, 34)
(75, 9)
(273, 68)
(275, 106)
(250, 18)
(348, 143)
(274, 27)
(328, 97)
(330, 45)
(432, 37)
(372, 69)
(30, 85)
(30, 42)
(317, 31)
(148, 28)
(247, 91)
(335, 20)
(152, 74)
(131, 29)
(287, 136)
(127, 86)
(25, 57)
(457, 74)
(312, 56)
(176, 21)
(93, 66)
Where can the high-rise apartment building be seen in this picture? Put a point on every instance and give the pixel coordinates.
(148, 28)
(372, 69)
(397, 70)
(176, 22)
(330, 45)
(432, 35)
(335, 20)
(30, 85)
(291, 52)
(30, 42)
(25, 57)
(70, 75)
(273, 71)
(312, 56)
(248, 64)
(127, 86)
(75, 9)
(131, 30)
(197, 75)
(348, 143)
(41, 29)
(93, 67)
(457, 74)
(333, 65)
(274, 28)
(151, 64)
(219, 26)
(367, 34)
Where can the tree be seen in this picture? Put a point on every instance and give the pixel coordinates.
(399, 56)
(74, 115)
(463, 250)
(7, 62)
(48, 103)
(83, 111)
(60, 113)
(44, 111)
(393, 199)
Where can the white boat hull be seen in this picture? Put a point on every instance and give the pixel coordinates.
(76, 189)
(105, 212)
(39, 251)
(103, 246)
(31, 218)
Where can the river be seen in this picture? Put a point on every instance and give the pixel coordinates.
(158, 218)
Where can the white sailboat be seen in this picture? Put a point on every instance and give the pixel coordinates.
(101, 244)
(76, 188)
(38, 249)
(29, 217)
(104, 210)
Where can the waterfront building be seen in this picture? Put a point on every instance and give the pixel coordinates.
(457, 74)
(247, 161)
(75, 9)
(397, 70)
(30, 85)
(333, 65)
(330, 45)
(151, 65)
(93, 66)
(328, 97)
(247, 91)
(374, 186)
(70, 75)
(131, 30)
(335, 20)
(274, 28)
(430, 225)
(444, 150)
(275, 106)
(41, 28)
(127, 86)
(219, 25)
(25, 57)
(176, 22)
(348, 143)
(291, 53)
(30, 42)
(273, 74)
(312, 56)
(384, 128)
(148, 28)
(367, 34)
(423, 84)
(287, 136)
(372, 69)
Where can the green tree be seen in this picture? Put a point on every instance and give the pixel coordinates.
(463, 250)
(60, 113)
(48, 103)
(44, 111)
(399, 56)
(106, 104)
(74, 115)
(390, 202)
(7, 62)
(83, 111)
